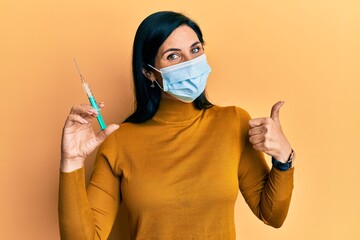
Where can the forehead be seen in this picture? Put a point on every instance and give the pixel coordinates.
(182, 37)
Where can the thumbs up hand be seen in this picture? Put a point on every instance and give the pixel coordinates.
(265, 134)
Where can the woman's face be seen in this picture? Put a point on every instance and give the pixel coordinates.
(182, 45)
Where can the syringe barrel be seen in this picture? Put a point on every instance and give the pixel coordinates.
(99, 117)
(87, 89)
(94, 105)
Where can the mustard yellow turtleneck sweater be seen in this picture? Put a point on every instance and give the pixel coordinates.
(178, 174)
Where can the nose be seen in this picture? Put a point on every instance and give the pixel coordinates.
(186, 57)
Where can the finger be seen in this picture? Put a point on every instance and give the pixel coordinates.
(257, 130)
(257, 122)
(258, 146)
(256, 139)
(101, 105)
(77, 118)
(83, 109)
(261, 147)
(100, 136)
(275, 110)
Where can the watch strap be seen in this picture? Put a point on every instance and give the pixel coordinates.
(284, 166)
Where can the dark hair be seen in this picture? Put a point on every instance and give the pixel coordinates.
(150, 35)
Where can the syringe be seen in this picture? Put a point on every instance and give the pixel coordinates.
(91, 98)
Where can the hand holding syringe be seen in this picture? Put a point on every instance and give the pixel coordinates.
(91, 98)
(78, 137)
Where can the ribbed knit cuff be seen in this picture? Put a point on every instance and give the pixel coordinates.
(69, 166)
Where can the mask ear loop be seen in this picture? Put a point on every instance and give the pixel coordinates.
(157, 84)
(154, 68)
(152, 83)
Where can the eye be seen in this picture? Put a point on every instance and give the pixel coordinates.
(196, 50)
(172, 56)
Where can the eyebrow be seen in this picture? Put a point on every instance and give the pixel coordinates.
(178, 49)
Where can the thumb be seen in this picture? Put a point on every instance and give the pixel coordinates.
(275, 110)
(100, 136)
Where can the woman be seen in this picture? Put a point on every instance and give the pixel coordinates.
(178, 161)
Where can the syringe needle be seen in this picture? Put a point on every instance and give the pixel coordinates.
(77, 67)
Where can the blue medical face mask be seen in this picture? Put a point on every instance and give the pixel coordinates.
(187, 80)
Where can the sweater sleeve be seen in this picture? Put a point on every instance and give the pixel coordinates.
(89, 213)
(267, 192)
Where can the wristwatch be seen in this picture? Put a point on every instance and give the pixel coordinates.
(284, 166)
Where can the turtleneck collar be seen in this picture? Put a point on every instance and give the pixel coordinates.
(175, 111)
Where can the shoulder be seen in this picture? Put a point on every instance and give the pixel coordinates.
(119, 135)
(107, 145)
(113, 145)
(230, 112)
(229, 117)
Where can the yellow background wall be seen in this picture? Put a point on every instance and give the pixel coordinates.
(304, 52)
